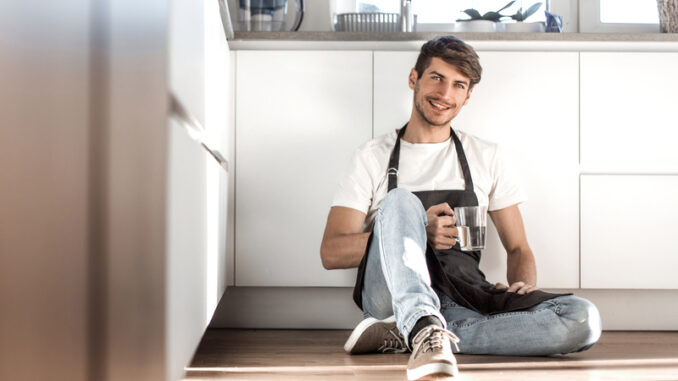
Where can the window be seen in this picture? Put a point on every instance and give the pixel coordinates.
(610, 16)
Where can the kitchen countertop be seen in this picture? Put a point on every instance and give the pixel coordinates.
(425, 36)
(484, 41)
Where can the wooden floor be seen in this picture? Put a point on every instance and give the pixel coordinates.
(318, 355)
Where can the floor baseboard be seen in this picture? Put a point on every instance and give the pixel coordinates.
(333, 308)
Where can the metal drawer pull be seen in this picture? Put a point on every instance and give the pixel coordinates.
(194, 129)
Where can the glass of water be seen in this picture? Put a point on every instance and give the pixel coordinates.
(471, 225)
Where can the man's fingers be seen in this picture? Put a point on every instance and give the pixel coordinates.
(516, 286)
(444, 243)
(500, 286)
(438, 209)
(528, 288)
(445, 221)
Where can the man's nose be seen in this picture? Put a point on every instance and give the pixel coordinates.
(445, 91)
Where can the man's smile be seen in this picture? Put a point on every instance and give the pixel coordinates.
(439, 106)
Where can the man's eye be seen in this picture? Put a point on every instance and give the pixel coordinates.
(460, 85)
(436, 77)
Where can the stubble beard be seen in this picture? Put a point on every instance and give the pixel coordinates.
(420, 110)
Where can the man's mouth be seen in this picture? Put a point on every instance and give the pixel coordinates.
(439, 106)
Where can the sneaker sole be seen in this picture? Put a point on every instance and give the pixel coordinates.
(431, 369)
(360, 328)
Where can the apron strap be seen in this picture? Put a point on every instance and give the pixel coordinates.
(395, 159)
(461, 156)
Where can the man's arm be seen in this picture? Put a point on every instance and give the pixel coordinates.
(521, 270)
(343, 244)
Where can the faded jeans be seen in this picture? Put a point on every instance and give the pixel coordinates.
(397, 283)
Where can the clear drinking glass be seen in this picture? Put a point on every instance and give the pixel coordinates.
(471, 225)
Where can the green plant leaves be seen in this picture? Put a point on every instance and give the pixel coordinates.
(492, 16)
(473, 14)
(530, 11)
(506, 6)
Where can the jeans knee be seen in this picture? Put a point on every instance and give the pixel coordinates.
(583, 323)
(400, 199)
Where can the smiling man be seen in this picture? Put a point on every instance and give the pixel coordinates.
(392, 217)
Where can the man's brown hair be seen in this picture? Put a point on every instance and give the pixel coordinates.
(453, 51)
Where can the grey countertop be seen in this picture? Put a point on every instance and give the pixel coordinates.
(425, 36)
(400, 41)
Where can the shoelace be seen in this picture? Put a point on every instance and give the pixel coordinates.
(393, 343)
(435, 337)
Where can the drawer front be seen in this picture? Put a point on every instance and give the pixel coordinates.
(628, 231)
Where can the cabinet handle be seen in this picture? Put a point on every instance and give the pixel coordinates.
(194, 129)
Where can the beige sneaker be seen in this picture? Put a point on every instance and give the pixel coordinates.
(372, 335)
(432, 354)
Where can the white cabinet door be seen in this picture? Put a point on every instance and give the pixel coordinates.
(299, 117)
(628, 111)
(528, 103)
(628, 228)
(186, 50)
(392, 94)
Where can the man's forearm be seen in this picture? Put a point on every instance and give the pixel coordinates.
(521, 267)
(344, 251)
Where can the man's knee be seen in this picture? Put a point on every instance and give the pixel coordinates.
(401, 199)
(582, 321)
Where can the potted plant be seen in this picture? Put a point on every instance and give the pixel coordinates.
(478, 22)
(519, 17)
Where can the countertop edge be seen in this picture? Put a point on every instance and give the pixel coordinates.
(483, 41)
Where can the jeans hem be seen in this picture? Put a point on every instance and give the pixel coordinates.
(412, 320)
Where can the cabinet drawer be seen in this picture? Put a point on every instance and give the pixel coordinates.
(628, 111)
(628, 228)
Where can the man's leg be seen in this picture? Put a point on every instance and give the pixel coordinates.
(397, 281)
(561, 325)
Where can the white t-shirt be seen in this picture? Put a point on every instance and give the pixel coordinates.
(423, 167)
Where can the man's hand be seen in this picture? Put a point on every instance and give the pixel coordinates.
(517, 287)
(440, 229)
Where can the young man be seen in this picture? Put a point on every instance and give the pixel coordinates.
(392, 217)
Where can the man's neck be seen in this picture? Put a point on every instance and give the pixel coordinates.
(418, 132)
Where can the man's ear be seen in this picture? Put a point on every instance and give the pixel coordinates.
(412, 79)
(468, 95)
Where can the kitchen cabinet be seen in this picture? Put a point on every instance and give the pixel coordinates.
(527, 102)
(299, 116)
(198, 187)
(628, 119)
(626, 227)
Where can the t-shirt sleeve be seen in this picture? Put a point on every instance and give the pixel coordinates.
(506, 188)
(356, 186)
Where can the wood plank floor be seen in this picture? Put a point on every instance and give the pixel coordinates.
(318, 355)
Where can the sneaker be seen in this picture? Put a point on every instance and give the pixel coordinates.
(432, 354)
(372, 335)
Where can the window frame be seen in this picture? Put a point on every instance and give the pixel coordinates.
(589, 21)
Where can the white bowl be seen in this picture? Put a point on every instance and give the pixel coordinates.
(474, 26)
(525, 27)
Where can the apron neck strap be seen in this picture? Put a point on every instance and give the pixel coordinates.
(395, 159)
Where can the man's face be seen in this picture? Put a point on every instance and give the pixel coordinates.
(440, 93)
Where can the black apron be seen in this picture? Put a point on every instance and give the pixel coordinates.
(454, 272)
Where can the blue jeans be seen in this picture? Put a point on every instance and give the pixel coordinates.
(397, 283)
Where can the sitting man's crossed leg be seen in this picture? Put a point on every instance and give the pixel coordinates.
(404, 312)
